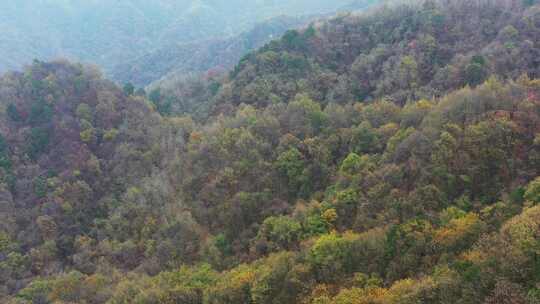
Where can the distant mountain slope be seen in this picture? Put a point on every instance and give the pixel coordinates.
(199, 56)
(108, 32)
(177, 59)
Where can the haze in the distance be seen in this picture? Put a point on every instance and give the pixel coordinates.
(109, 33)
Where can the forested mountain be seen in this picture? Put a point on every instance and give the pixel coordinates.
(406, 56)
(385, 157)
(213, 55)
(109, 33)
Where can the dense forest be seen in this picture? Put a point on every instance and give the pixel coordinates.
(384, 157)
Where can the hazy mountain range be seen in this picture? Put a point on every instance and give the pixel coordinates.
(118, 33)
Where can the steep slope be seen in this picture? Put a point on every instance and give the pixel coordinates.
(399, 55)
(73, 145)
(286, 195)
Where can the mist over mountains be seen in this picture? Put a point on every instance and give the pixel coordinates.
(116, 33)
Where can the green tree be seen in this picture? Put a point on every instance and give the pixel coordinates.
(13, 113)
(532, 193)
(282, 232)
(40, 113)
(129, 89)
(38, 141)
(291, 165)
(475, 71)
(352, 164)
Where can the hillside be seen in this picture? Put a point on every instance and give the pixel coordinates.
(109, 33)
(399, 55)
(218, 54)
(385, 157)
